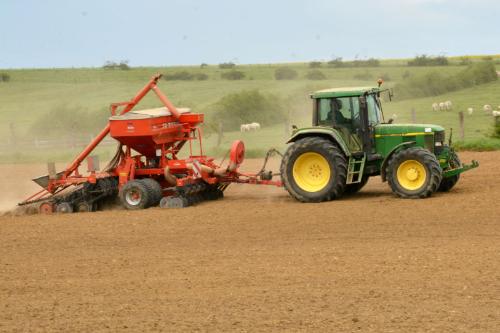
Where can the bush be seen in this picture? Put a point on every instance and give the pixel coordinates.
(4, 77)
(201, 76)
(227, 65)
(315, 74)
(185, 76)
(315, 64)
(285, 73)
(233, 75)
(435, 83)
(203, 65)
(248, 106)
(338, 62)
(122, 65)
(424, 60)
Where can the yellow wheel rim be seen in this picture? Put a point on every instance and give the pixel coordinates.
(311, 172)
(411, 175)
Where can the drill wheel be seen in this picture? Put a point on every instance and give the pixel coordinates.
(174, 202)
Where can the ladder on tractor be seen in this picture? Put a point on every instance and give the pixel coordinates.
(355, 169)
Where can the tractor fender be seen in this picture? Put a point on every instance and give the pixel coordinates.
(402, 145)
(328, 133)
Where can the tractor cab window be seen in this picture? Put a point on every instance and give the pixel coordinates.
(342, 111)
(374, 112)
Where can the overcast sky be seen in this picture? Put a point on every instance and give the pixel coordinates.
(86, 33)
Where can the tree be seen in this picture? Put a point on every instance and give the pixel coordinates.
(285, 73)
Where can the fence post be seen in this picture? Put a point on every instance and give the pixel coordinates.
(462, 127)
(413, 116)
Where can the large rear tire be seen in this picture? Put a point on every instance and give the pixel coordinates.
(134, 195)
(155, 191)
(414, 173)
(313, 170)
(449, 182)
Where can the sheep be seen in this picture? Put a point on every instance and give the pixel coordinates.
(470, 110)
(254, 126)
(448, 105)
(487, 108)
(442, 106)
(435, 107)
(496, 113)
(244, 128)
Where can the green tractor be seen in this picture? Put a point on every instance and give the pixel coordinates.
(350, 142)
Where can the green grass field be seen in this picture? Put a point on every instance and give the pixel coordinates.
(33, 93)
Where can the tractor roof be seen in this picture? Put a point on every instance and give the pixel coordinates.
(343, 92)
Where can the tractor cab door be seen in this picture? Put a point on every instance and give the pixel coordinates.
(370, 116)
(343, 114)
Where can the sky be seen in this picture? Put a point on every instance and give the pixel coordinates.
(70, 33)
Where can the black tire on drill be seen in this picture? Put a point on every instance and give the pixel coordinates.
(135, 195)
(337, 164)
(448, 182)
(356, 187)
(433, 173)
(155, 191)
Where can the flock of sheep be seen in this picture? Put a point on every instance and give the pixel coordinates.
(446, 106)
(249, 127)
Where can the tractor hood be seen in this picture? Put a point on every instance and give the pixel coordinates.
(402, 129)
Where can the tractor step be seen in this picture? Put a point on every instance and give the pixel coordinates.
(355, 169)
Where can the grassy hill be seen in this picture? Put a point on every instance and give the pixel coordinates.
(32, 94)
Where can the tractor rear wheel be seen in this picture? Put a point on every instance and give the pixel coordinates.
(356, 187)
(414, 173)
(313, 170)
(448, 182)
(134, 195)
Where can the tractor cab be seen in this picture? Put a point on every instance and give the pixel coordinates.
(353, 112)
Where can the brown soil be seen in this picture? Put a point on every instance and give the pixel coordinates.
(259, 261)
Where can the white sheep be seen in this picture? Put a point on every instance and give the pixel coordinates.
(254, 126)
(244, 128)
(448, 105)
(435, 107)
(496, 113)
(442, 106)
(470, 110)
(487, 108)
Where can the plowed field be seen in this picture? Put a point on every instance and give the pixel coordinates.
(259, 261)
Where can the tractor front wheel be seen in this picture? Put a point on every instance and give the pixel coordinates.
(135, 195)
(414, 173)
(313, 170)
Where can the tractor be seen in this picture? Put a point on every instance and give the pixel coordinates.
(349, 141)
